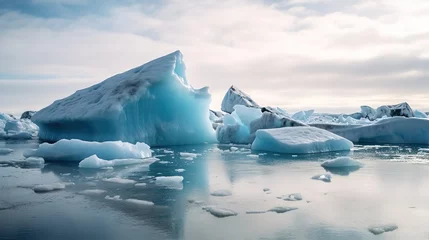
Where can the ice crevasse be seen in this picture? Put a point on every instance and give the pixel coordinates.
(153, 103)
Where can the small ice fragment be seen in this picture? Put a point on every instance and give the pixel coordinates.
(140, 185)
(167, 151)
(266, 189)
(233, 149)
(326, 177)
(294, 156)
(376, 230)
(253, 156)
(292, 197)
(119, 180)
(220, 212)
(92, 192)
(34, 162)
(172, 182)
(43, 188)
(341, 162)
(255, 212)
(139, 202)
(65, 174)
(179, 170)
(187, 154)
(188, 158)
(221, 193)
(282, 209)
(116, 198)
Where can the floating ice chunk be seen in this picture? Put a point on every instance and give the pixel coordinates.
(266, 189)
(255, 212)
(292, 197)
(221, 193)
(233, 149)
(253, 155)
(282, 209)
(168, 151)
(179, 170)
(92, 192)
(140, 185)
(153, 103)
(299, 140)
(395, 130)
(119, 180)
(376, 230)
(220, 212)
(5, 151)
(43, 188)
(188, 155)
(341, 162)
(34, 162)
(233, 133)
(97, 163)
(139, 202)
(270, 120)
(172, 182)
(77, 150)
(326, 177)
(235, 96)
(115, 198)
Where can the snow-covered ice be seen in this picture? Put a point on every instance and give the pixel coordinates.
(235, 96)
(172, 182)
(221, 193)
(220, 212)
(326, 177)
(376, 230)
(97, 163)
(299, 140)
(119, 180)
(282, 209)
(77, 150)
(341, 162)
(43, 188)
(153, 103)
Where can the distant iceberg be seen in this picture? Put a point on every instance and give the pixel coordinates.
(153, 103)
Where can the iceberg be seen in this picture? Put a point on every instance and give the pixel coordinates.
(299, 140)
(77, 150)
(394, 130)
(11, 128)
(153, 103)
(401, 109)
(235, 96)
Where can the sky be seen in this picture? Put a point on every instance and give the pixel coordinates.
(327, 55)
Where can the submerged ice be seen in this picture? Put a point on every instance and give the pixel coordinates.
(153, 103)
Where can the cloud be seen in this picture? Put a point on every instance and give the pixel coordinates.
(294, 54)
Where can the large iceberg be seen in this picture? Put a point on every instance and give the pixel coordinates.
(153, 103)
(299, 140)
(235, 96)
(394, 130)
(77, 150)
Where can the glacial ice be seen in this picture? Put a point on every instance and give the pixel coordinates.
(393, 130)
(153, 103)
(303, 116)
(17, 129)
(299, 140)
(341, 162)
(235, 96)
(77, 150)
(95, 162)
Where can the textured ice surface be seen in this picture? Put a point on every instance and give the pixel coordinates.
(5, 151)
(77, 150)
(153, 103)
(299, 140)
(220, 212)
(17, 129)
(221, 193)
(235, 96)
(95, 162)
(376, 230)
(282, 209)
(303, 116)
(172, 182)
(292, 197)
(43, 188)
(368, 112)
(420, 114)
(394, 130)
(341, 162)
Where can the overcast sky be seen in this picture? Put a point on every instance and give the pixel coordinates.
(327, 55)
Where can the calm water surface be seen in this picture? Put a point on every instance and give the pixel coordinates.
(392, 188)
